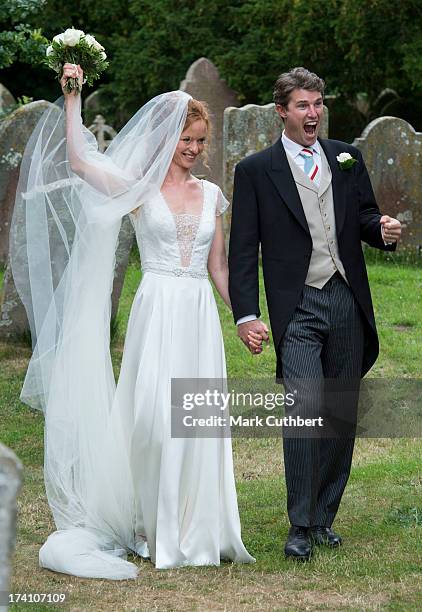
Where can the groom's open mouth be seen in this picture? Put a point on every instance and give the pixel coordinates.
(310, 128)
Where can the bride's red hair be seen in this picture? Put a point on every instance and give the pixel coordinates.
(198, 110)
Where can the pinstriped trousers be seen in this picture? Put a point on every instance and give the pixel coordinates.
(321, 352)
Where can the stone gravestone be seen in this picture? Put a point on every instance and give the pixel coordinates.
(10, 483)
(6, 99)
(393, 155)
(14, 134)
(15, 131)
(13, 319)
(92, 106)
(103, 133)
(249, 129)
(126, 237)
(203, 82)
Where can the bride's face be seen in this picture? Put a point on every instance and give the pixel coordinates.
(191, 144)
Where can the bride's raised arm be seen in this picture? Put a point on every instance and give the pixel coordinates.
(85, 160)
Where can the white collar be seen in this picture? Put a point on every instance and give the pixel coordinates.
(294, 149)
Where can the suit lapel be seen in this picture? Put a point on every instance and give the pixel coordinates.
(282, 177)
(338, 184)
(326, 177)
(300, 177)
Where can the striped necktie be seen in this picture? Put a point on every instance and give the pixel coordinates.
(311, 167)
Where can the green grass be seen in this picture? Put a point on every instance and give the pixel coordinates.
(378, 566)
(397, 296)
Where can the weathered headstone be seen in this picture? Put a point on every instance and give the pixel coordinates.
(15, 131)
(103, 133)
(10, 483)
(249, 129)
(13, 319)
(92, 106)
(393, 155)
(6, 99)
(126, 237)
(203, 83)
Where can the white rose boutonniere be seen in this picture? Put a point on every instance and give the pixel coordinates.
(346, 161)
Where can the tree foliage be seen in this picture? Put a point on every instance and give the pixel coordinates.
(160, 41)
(360, 47)
(356, 46)
(18, 40)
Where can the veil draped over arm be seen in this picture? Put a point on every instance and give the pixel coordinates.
(69, 205)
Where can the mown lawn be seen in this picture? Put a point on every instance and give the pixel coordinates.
(377, 568)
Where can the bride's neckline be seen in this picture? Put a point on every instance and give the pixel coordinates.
(186, 214)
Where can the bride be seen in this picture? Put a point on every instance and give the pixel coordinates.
(116, 479)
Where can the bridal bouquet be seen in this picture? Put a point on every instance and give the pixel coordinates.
(76, 47)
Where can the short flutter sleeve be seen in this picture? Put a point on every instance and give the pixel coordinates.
(222, 203)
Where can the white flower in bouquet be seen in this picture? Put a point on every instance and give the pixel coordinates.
(90, 40)
(72, 37)
(75, 47)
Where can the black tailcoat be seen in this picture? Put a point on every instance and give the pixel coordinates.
(267, 211)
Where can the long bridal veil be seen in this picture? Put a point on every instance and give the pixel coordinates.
(69, 205)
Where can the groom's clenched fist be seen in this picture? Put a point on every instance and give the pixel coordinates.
(390, 228)
(252, 334)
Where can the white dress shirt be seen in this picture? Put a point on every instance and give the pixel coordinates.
(294, 150)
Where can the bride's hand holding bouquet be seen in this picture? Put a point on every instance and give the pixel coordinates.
(72, 79)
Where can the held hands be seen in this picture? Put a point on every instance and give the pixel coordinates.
(71, 71)
(252, 334)
(390, 229)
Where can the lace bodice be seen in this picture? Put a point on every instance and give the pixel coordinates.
(186, 230)
(177, 244)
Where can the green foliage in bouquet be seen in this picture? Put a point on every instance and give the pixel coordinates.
(76, 47)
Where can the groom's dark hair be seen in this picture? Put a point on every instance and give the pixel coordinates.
(296, 78)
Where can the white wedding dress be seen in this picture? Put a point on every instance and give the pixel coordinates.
(186, 504)
(115, 478)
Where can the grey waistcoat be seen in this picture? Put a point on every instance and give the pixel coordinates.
(318, 206)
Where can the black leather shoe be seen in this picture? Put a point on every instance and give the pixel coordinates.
(298, 545)
(325, 536)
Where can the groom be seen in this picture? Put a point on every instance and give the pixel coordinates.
(309, 211)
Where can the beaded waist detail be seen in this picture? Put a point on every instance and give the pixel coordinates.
(180, 271)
